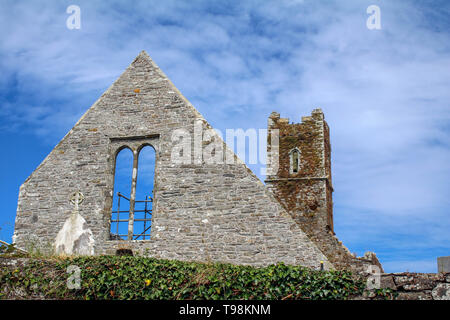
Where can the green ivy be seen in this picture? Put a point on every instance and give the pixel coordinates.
(127, 277)
(7, 250)
(385, 294)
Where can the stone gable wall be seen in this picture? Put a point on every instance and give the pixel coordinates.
(216, 212)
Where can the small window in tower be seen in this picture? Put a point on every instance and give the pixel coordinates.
(295, 158)
(294, 161)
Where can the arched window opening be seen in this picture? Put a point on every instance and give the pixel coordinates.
(131, 215)
(144, 193)
(122, 188)
(294, 161)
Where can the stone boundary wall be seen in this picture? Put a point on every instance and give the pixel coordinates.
(407, 285)
(414, 286)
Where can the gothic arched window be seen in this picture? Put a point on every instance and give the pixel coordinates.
(122, 186)
(132, 205)
(144, 192)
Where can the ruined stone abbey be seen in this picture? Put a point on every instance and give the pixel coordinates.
(200, 210)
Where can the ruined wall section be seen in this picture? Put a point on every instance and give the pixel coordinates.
(204, 212)
(307, 194)
(412, 286)
(329, 184)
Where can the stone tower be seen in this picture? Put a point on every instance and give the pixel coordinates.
(301, 182)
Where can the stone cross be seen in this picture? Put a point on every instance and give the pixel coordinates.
(76, 199)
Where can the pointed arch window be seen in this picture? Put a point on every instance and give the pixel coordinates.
(294, 161)
(144, 192)
(122, 186)
(134, 174)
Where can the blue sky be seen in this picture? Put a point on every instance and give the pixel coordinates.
(385, 94)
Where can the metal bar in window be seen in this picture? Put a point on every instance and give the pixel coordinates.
(118, 212)
(145, 217)
(121, 195)
(137, 236)
(126, 220)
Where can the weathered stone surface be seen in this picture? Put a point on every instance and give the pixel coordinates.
(201, 211)
(74, 237)
(417, 286)
(12, 263)
(387, 281)
(441, 292)
(417, 281)
(414, 296)
(403, 279)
